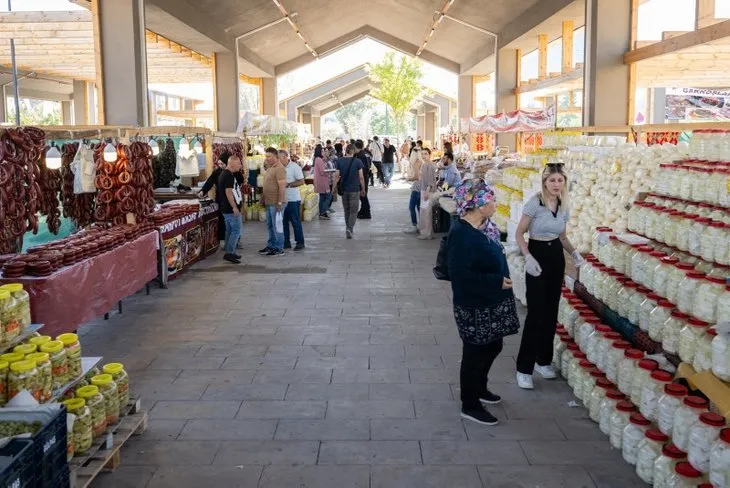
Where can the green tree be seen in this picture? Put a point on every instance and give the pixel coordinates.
(398, 85)
(381, 124)
(35, 112)
(353, 116)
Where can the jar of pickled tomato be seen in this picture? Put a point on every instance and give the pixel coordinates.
(685, 417)
(627, 368)
(669, 402)
(632, 436)
(675, 278)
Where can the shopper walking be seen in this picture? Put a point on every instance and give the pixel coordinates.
(389, 157)
(322, 182)
(403, 160)
(428, 190)
(231, 202)
(364, 158)
(484, 305)
(273, 198)
(544, 216)
(350, 184)
(414, 204)
(376, 150)
(292, 210)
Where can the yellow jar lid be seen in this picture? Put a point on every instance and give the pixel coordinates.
(12, 287)
(4, 294)
(4, 365)
(40, 340)
(87, 391)
(52, 346)
(22, 366)
(74, 404)
(102, 379)
(68, 339)
(113, 368)
(39, 357)
(12, 357)
(25, 348)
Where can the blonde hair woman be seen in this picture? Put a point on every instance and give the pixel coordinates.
(414, 176)
(544, 216)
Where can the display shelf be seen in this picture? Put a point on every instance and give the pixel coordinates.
(710, 385)
(87, 364)
(27, 333)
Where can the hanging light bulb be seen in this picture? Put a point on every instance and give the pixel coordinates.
(198, 147)
(53, 158)
(184, 147)
(110, 153)
(155, 148)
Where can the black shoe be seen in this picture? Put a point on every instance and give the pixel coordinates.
(490, 398)
(238, 256)
(299, 247)
(276, 253)
(231, 258)
(479, 416)
(287, 246)
(265, 250)
(348, 234)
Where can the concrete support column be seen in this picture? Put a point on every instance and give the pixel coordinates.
(465, 97)
(430, 129)
(507, 74)
(657, 106)
(421, 126)
(3, 101)
(271, 99)
(606, 80)
(226, 92)
(316, 125)
(91, 100)
(124, 70)
(66, 113)
(81, 102)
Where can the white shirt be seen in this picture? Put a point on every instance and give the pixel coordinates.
(376, 149)
(293, 173)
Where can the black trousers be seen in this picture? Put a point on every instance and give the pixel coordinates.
(476, 361)
(364, 212)
(379, 166)
(543, 297)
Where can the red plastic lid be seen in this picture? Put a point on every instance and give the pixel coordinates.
(665, 303)
(615, 395)
(670, 260)
(575, 301)
(637, 246)
(675, 390)
(706, 485)
(621, 345)
(593, 320)
(586, 314)
(603, 328)
(661, 375)
(716, 279)
(566, 338)
(612, 238)
(638, 419)
(648, 364)
(725, 435)
(680, 315)
(657, 254)
(597, 373)
(582, 308)
(612, 335)
(687, 470)
(697, 322)
(633, 354)
(643, 289)
(712, 332)
(604, 383)
(579, 355)
(584, 363)
(684, 265)
(625, 406)
(646, 249)
(656, 435)
(713, 419)
(696, 274)
(717, 224)
(695, 402)
(573, 347)
(653, 296)
(672, 451)
(632, 284)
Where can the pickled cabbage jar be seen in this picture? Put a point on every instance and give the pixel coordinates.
(73, 353)
(587, 273)
(39, 340)
(600, 281)
(633, 250)
(724, 192)
(634, 307)
(720, 460)
(652, 263)
(599, 240)
(602, 348)
(597, 396)
(608, 405)
(708, 292)
(652, 390)
(632, 224)
(672, 328)
(712, 189)
(642, 216)
(614, 355)
(10, 321)
(688, 338)
(703, 353)
(121, 378)
(675, 180)
(675, 278)
(652, 216)
(108, 389)
(696, 232)
(647, 453)
(566, 357)
(685, 186)
(590, 384)
(638, 263)
(609, 251)
(573, 315)
(45, 375)
(627, 368)
(562, 340)
(721, 357)
(95, 402)
(579, 377)
(23, 375)
(657, 319)
(703, 434)
(613, 288)
(593, 340)
(668, 404)
(645, 309)
(4, 368)
(683, 230)
(25, 349)
(685, 417)
(22, 299)
(587, 327)
(562, 307)
(661, 275)
(632, 436)
(699, 184)
(704, 210)
(59, 362)
(619, 421)
(660, 224)
(671, 226)
(642, 374)
(82, 435)
(624, 297)
(687, 290)
(708, 241)
(573, 367)
(665, 464)
(721, 253)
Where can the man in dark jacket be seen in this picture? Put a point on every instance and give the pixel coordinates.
(366, 164)
(212, 182)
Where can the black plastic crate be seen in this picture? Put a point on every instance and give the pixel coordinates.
(62, 479)
(51, 448)
(16, 464)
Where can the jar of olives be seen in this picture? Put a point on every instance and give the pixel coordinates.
(59, 363)
(82, 435)
(10, 321)
(95, 402)
(45, 375)
(73, 353)
(23, 376)
(23, 301)
(108, 388)
(121, 378)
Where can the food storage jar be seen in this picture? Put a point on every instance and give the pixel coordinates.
(627, 368)
(613, 356)
(589, 384)
(652, 390)
(704, 210)
(688, 337)
(593, 340)
(597, 396)
(23, 375)
(685, 186)
(647, 453)
(583, 316)
(566, 357)
(700, 180)
(623, 299)
(724, 193)
(704, 306)
(602, 348)
(602, 277)
(572, 316)
(10, 321)
(685, 417)
(721, 252)
(632, 217)
(701, 437)
(696, 231)
(612, 288)
(563, 306)
(608, 405)
(645, 309)
(720, 460)
(619, 251)
(25, 349)
(573, 367)
(638, 262)
(23, 299)
(633, 250)
(4, 369)
(720, 357)
(652, 215)
(73, 353)
(121, 378)
(723, 304)
(642, 374)
(687, 290)
(560, 344)
(671, 225)
(587, 327)
(668, 404)
(619, 421)
(599, 239)
(609, 251)
(632, 436)
(672, 328)
(39, 340)
(703, 354)
(108, 389)
(652, 263)
(59, 362)
(634, 308)
(675, 278)
(587, 273)
(683, 229)
(45, 375)
(665, 464)
(708, 240)
(661, 275)
(82, 435)
(95, 402)
(657, 319)
(579, 377)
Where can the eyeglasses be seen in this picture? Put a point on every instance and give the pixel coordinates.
(555, 165)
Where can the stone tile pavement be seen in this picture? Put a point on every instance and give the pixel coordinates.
(336, 367)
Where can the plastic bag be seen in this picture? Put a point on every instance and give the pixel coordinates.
(279, 222)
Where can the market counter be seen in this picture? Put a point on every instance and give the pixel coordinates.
(91, 288)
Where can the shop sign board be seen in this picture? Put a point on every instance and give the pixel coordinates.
(697, 105)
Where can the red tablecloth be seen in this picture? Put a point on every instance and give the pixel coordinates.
(89, 289)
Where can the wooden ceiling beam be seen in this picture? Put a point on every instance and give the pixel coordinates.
(685, 41)
(39, 17)
(567, 59)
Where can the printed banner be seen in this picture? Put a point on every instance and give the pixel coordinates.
(517, 121)
(697, 105)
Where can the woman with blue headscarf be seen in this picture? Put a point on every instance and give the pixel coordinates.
(484, 305)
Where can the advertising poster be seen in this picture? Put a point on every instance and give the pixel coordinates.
(697, 105)
(174, 251)
(173, 248)
(209, 226)
(193, 245)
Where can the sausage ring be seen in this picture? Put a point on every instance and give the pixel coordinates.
(125, 177)
(103, 182)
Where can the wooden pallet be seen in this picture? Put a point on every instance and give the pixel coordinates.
(104, 453)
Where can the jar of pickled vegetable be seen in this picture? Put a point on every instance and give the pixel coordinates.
(720, 357)
(627, 368)
(4, 369)
(25, 349)
(634, 306)
(623, 298)
(108, 388)
(723, 303)
(582, 372)
(665, 464)
(652, 263)
(638, 263)
(599, 239)
(701, 438)
(720, 460)
(657, 319)
(696, 231)
(651, 392)
(710, 234)
(670, 228)
(633, 250)
(587, 327)
(668, 404)
(597, 396)
(613, 288)
(593, 340)
(59, 362)
(687, 289)
(632, 224)
(587, 273)
(38, 341)
(619, 421)
(604, 345)
(10, 322)
(583, 316)
(45, 375)
(73, 353)
(560, 344)
(613, 356)
(703, 354)
(721, 252)
(83, 434)
(121, 378)
(688, 337)
(675, 278)
(95, 402)
(566, 357)
(704, 305)
(608, 405)
(589, 384)
(23, 300)
(685, 476)
(23, 376)
(600, 281)
(645, 309)
(573, 367)
(651, 220)
(672, 328)
(685, 417)
(632, 436)
(648, 451)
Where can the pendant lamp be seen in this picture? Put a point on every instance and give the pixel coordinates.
(53, 158)
(110, 153)
(155, 148)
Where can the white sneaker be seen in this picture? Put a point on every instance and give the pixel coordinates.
(524, 381)
(412, 230)
(546, 372)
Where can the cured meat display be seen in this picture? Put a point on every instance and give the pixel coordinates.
(142, 179)
(163, 165)
(235, 148)
(50, 185)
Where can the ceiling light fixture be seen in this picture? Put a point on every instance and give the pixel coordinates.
(294, 26)
(435, 23)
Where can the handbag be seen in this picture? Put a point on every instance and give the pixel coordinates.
(339, 185)
(441, 270)
(487, 324)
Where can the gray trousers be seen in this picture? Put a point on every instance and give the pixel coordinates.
(351, 206)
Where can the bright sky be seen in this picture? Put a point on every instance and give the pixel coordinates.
(36, 5)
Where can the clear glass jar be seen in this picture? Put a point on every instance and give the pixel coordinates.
(652, 390)
(613, 356)
(619, 256)
(604, 344)
(648, 451)
(45, 375)
(613, 289)
(634, 307)
(638, 262)
(643, 371)
(668, 404)
(109, 390)
(619, 421)
(651, 219)
(602, 277)
(721, 252)
(608, 405)
(671, 226)
(696, 232)
(704, 305)
(632, 436)
(563, 305)
(701, 437)
(675, 278)
(700, 180)
(661, 275)
(73, 353)
(670, 333)
(645, 309)
(574, 366)
(683, 230)
(23, 302)
(665, 464)
(593, 340)
(624, 297)
(59, 362)
(566, 357)
(724, 193)
(721, 357)
(10, 322)
(687, 289)
(587, 273)
(609, 251)
(703, 354)
(704, 210)
(587, 327)
(652, 263)
(599, 240)
(708, 240)
(627, 368)
(720, 460)
(95, 402)
(604, 249)
(561, 344)
(582, 372)
(723, 304)
(590, 384)
(685, 417)
(23, 375)
(659, 224)
(685, 186)
(121, 378)
(632, 217)
(688, 337)
(633, 250)
(597, 396)
(82, 435)
(657, 319)
(573, 316)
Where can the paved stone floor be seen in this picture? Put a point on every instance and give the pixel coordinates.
(333, 368)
